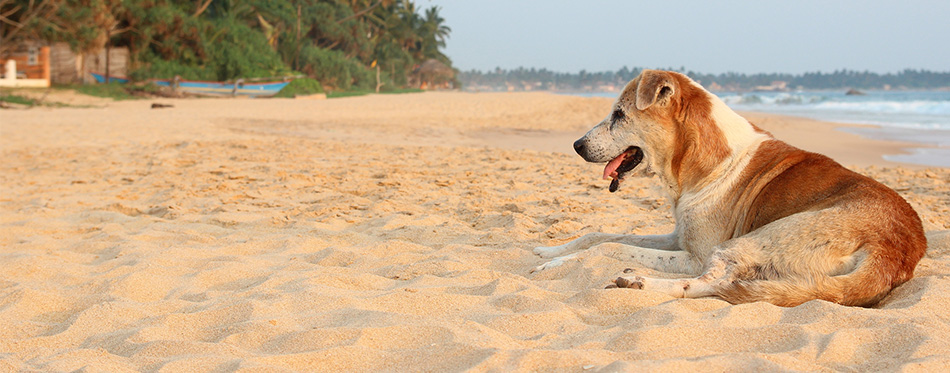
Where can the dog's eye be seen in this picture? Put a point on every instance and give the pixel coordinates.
(618, 115)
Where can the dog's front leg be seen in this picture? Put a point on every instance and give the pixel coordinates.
(659, 242)
(661, 260)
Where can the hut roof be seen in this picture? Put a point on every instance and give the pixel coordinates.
(433, 67)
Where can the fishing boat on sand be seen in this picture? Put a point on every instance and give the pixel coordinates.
(101, 78)
(236, 88)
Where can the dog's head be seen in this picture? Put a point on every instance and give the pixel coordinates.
(662, 118)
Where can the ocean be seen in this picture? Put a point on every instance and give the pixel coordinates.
(921, 117)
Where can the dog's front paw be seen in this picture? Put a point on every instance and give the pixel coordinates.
(556, 262)
(549, 251)
(630, 282)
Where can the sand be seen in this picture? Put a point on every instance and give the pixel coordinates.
(391, 233)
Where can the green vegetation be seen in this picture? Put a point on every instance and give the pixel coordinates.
(300, 87)
(342, 94)
(17, 99)
(353, 93)
(13, 98)
(397, 91)
(113, 90)
(338, 43)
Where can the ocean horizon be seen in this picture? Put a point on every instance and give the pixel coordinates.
(921, 117)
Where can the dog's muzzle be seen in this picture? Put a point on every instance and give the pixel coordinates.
(615, 168)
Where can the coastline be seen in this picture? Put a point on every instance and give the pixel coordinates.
(931, 147)
(391, 232)
(847, 143)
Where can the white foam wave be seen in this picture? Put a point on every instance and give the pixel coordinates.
(819, 102)
(892, 107)
(779, 99)
(918, 110)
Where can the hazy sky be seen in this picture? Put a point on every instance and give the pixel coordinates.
(790, 36)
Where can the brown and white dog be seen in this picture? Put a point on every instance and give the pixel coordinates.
(756, 219)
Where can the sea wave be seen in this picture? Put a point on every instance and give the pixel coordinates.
(818, 102)
(779, 99)
(912, 110)
(908, 107)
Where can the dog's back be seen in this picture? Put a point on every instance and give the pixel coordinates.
(853, 216)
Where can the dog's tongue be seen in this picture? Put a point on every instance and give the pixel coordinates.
(611, 168)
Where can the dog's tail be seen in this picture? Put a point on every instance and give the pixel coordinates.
(865, 286)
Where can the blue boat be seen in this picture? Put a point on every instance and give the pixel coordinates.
(101, 78)
(237, 88)
(197, 87)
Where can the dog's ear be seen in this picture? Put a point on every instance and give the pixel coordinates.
(656, 87)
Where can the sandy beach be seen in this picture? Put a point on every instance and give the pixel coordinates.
(392, 233)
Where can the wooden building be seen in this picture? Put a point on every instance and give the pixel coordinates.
(58, 64)
(28, 65)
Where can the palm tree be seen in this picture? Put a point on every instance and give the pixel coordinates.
(435, 24)
(433, 33)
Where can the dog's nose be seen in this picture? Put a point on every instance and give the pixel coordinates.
(580, 146)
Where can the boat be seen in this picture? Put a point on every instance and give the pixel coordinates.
(101, 78)
(206, 88)
(236, 88)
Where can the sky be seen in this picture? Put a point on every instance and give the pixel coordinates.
(791, 36)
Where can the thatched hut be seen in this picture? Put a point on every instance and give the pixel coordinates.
(432, 74)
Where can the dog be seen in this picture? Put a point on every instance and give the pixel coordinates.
(756, 218)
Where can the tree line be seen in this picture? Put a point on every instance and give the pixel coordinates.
(544, 79)
(340, 43)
